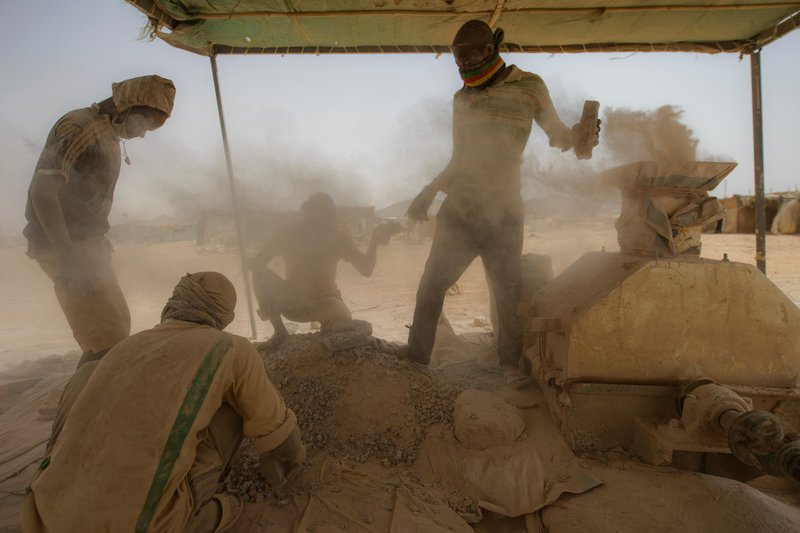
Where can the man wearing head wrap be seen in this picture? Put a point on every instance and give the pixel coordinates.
(483, 214)
(143, 437)
(69, 200)
(312, 249)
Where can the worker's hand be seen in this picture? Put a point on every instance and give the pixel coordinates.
(77, 275)
(583, 141)
(278, 466)
(277, 473)
(384, 232)
(418, 210)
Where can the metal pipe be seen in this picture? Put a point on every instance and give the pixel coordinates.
(234, 199)
(758, 160)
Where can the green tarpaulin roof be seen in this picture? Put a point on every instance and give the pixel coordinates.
(396, 26)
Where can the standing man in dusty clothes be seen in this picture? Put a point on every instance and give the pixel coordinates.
(483, 214)
(69, 201)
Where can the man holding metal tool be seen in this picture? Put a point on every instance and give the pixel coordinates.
(483, 214)
(312, 249)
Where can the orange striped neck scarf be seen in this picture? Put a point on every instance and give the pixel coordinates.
(479, 76)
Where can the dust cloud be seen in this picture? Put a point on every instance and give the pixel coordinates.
(658, 135)
(171, 178)
(627, 136)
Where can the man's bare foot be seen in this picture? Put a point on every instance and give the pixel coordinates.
(273, 343)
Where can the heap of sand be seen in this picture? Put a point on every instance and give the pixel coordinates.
(383, 456)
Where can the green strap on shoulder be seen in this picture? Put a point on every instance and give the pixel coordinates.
(184, 421)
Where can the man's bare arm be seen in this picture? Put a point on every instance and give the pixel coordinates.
(365, 262)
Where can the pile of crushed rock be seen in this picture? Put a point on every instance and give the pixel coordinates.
(359, 405)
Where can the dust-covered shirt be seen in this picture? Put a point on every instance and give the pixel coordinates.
(121, 459)
(491, 128)
(83, 148)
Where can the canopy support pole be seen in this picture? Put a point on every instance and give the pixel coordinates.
(758, 159)
(234, 199)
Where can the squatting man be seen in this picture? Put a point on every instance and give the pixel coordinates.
(311, 249)
(144, 437)
(483, 213)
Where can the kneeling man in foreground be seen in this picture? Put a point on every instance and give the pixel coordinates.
(144, 436)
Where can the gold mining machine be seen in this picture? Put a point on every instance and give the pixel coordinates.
(679, 360)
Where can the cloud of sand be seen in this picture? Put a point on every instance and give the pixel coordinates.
(171, 177)
(627, 135)
(658, 135)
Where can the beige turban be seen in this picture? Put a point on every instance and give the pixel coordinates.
(150, 91)
(204, 297)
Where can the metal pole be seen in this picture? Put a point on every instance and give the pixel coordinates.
(758, 159)
(234, 199)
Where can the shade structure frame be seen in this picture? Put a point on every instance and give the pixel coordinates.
(164, 21)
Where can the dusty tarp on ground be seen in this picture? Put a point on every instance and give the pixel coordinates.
(357, 495)
(29, 394)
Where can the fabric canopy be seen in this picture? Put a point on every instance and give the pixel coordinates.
(212, 27)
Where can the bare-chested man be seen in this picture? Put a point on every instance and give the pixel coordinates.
(312, 249)
(69, 200)
(483, 216)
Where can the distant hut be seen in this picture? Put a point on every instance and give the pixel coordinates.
(741, 213)
(730, 222)
(787, 221)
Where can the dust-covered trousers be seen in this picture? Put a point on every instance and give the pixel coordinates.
(275, 296)
(461, 236)
(101, 319)
(214, 454)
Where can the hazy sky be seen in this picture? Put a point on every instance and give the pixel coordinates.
(370, 129)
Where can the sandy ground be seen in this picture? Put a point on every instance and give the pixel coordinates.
(33, 325)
